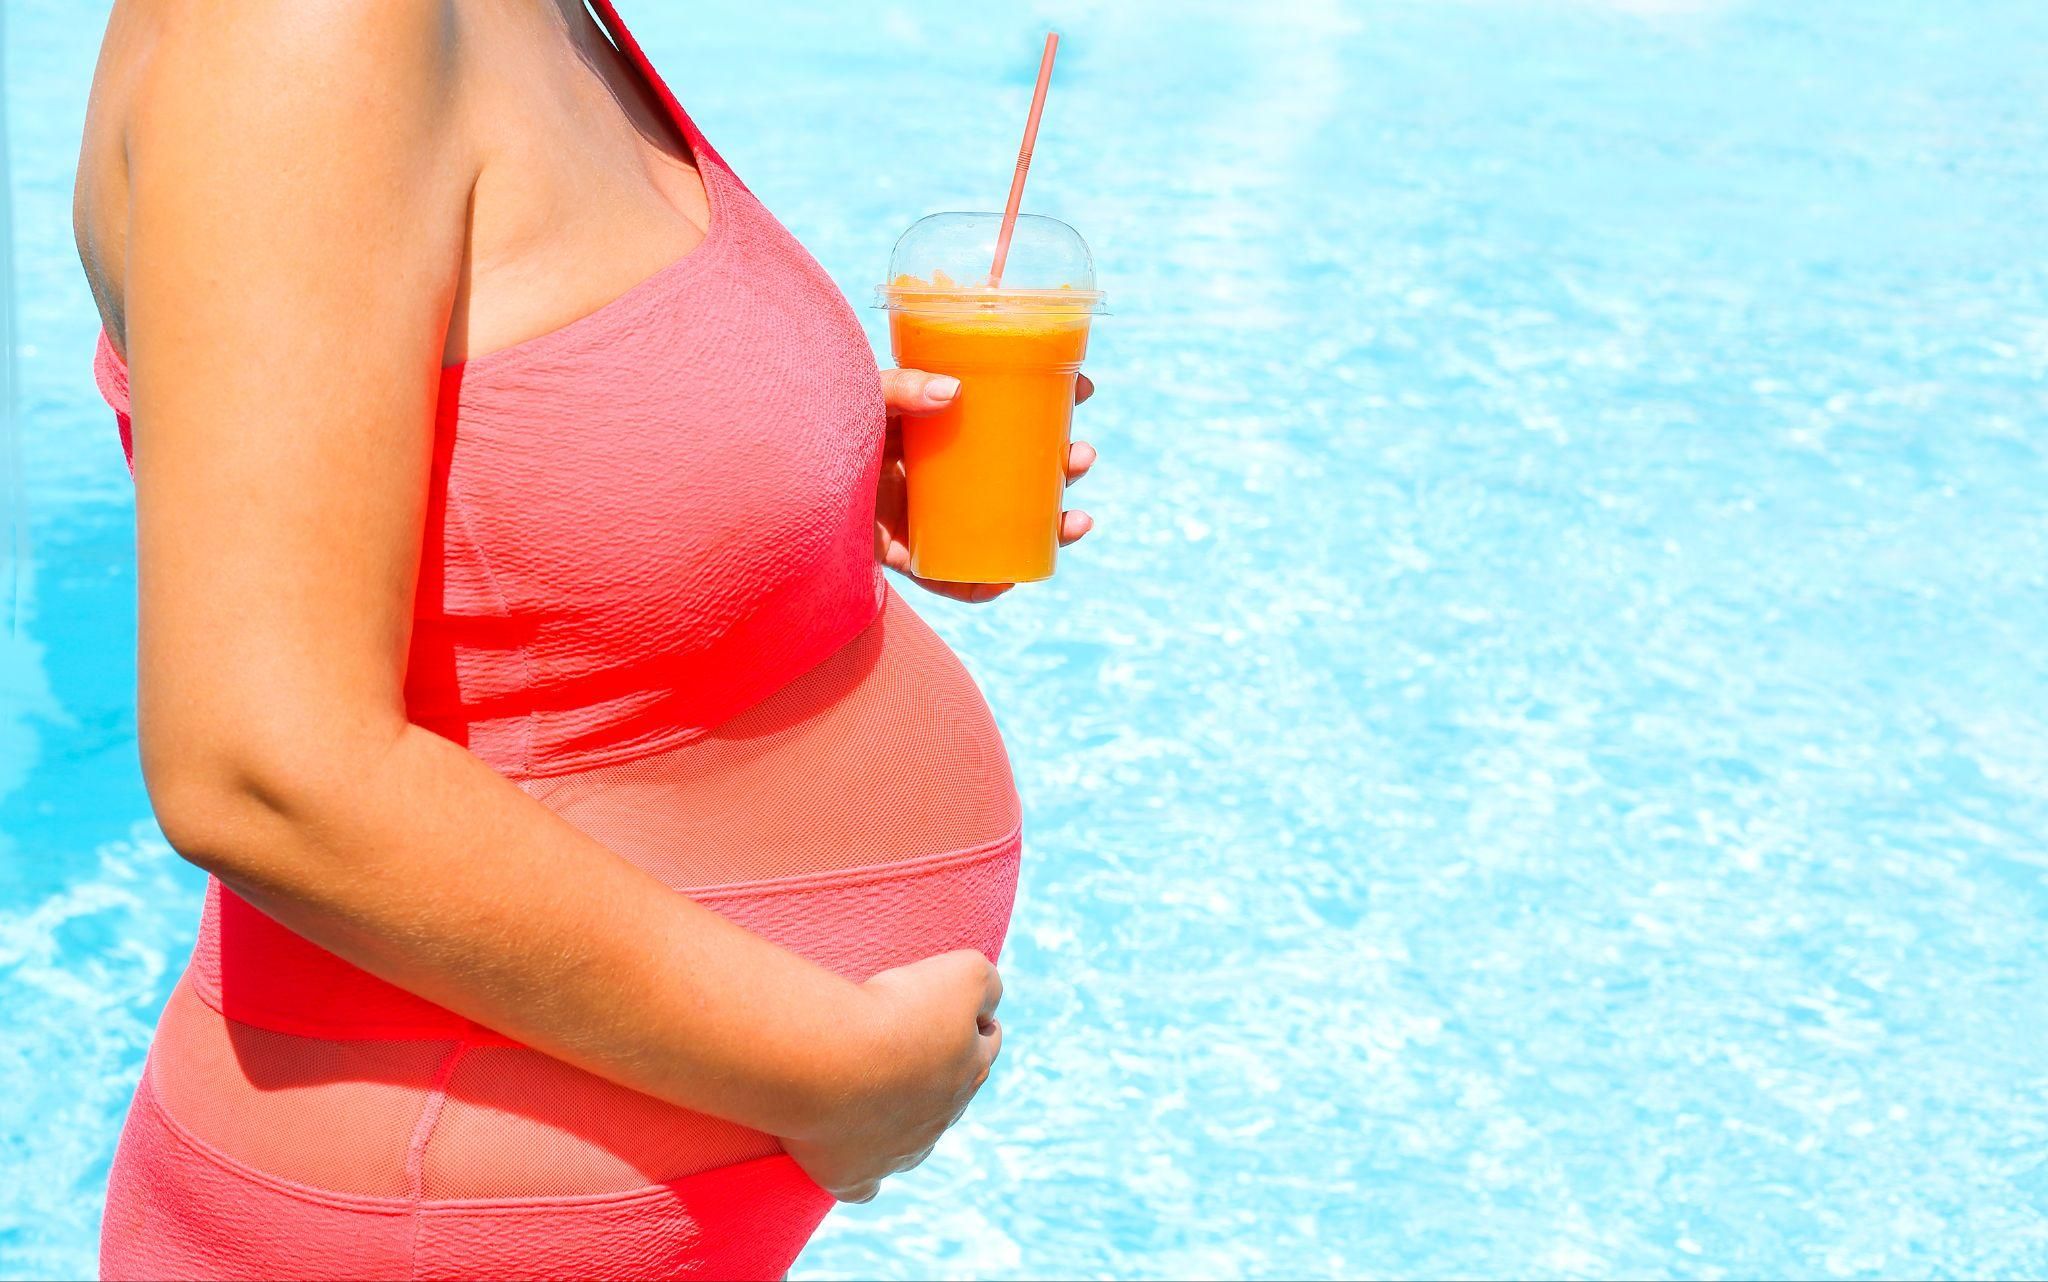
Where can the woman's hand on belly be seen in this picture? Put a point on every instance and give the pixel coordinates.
(914, 392)
(930, 1037)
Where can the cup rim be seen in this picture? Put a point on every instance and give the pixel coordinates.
(1044, 302)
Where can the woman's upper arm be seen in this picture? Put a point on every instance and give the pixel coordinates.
(299, 194)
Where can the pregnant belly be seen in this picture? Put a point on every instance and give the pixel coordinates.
(863, 816)
(884, 752)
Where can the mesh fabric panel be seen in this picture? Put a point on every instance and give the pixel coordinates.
(332, 1114)
(573, 1133)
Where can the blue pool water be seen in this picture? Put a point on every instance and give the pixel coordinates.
(1543, 768)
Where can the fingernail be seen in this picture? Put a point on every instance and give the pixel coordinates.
(943, 388)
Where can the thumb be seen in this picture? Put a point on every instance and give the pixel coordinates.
(913, 391)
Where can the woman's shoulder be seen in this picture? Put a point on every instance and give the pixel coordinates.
(291, 48)
(260, 92)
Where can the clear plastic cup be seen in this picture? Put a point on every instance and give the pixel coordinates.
(986, 475)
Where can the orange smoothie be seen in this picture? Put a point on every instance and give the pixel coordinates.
(986, 476)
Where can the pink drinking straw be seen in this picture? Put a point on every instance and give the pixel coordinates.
(995, 273)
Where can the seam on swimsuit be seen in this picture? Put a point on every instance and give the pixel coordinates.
(864, 875)
(369, 1204)
(416, 1149)
(672, 1190)
(460, 508)
(618, 755)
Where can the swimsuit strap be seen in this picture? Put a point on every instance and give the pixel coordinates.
(609, 21)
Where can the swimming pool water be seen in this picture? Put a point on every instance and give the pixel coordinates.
(1543, 768)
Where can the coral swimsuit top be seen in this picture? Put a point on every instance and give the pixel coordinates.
(649, 594)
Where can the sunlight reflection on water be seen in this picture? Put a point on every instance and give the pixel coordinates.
(1541, 769)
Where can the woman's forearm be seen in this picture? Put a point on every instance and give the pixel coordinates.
(409, 857)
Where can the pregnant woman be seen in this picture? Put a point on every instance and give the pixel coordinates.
(607, 865)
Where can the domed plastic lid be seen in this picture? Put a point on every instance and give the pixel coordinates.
(943, 261)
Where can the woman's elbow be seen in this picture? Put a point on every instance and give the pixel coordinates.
(199, 811)
(238, 806)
